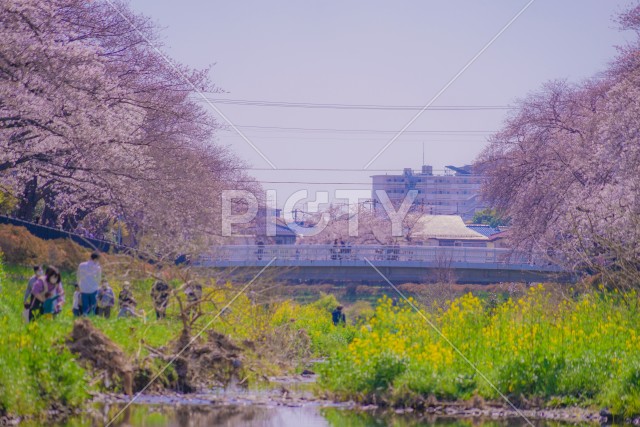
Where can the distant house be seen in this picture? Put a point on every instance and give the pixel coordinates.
(498, 236)
(283, 234)
(499, 240)
(266, 228)
(446, 230)
(484, 229)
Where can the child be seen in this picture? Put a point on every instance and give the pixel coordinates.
(77, 301)
(106, 300)
(28, 297)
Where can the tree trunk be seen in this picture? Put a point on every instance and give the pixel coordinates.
(28, 201)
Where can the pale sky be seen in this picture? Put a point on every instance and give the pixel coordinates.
(377, 53)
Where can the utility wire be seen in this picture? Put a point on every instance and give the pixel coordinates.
(363, 138)
(399, 171)
(389, 184)
(301, 129)
(336, 106)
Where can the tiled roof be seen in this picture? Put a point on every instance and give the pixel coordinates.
(485, 230)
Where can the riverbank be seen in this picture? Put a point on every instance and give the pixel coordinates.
(546, 349)
(53, 366)
(276, 397)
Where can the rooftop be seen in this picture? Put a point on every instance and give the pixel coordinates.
(484, 229)
(444, 227)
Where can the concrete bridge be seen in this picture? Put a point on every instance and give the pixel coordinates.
(400, 264)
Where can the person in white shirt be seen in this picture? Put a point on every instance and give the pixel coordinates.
(89, 279)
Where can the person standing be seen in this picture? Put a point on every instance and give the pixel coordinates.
(338, 317)
(28, 297)
(126, 301)
(89, 278)
(260, 251)
(160, 296)
(106, 299)
(76, 308)
(334, 250)
(193, 291)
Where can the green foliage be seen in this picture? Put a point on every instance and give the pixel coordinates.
(37, 372)
(359, 312)
(314, 319)
(326, 302)
(8, 202)
(584, 350)
(2, 272)
(580, 351)
(490, 217)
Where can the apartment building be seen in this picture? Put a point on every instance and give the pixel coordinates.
(456, 192)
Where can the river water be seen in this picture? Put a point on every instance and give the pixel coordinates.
(200, 415)
(280, 403)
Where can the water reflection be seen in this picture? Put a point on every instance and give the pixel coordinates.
(267, 416)
(352, 418)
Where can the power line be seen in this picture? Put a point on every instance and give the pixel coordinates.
(337, 170)
(300, 129)
(315, 183)
(365, 138)
(389, 184)
(336, 106)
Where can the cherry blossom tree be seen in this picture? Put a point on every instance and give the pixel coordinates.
(566, 168)
(373, 227)
(94, 117)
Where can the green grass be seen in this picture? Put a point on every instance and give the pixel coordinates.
(583, 351)
(37, 371)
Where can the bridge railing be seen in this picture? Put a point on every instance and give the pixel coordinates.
(359, 254)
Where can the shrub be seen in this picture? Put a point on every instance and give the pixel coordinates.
(23, 248)
(359, 312)
(326, 302)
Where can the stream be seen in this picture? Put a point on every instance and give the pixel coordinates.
(283, 403)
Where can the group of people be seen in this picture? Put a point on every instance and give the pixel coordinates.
(92, 295)
(340, 250)
(44, 293)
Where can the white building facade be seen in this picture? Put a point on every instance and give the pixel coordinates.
(456, 192)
